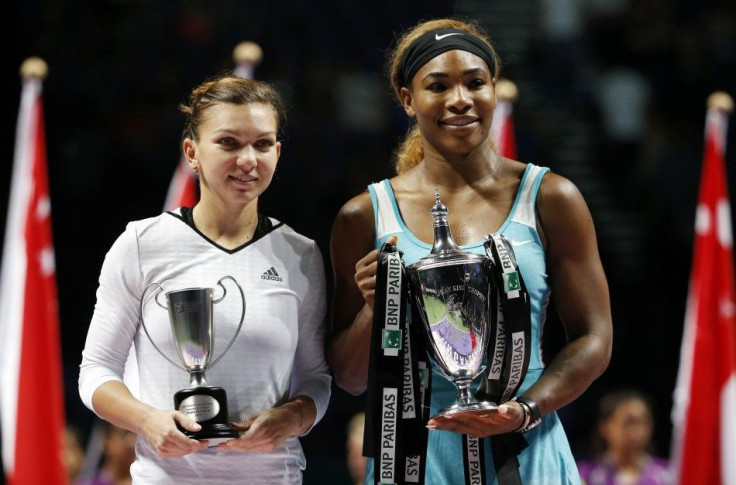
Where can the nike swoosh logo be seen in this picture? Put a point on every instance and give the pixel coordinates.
(440, 37)
(520, 243)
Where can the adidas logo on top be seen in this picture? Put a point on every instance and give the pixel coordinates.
(271, 274)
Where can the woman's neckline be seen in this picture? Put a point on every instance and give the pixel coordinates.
(472, 245)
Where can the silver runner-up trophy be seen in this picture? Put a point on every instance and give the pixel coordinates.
(451, 289)
(191, 316)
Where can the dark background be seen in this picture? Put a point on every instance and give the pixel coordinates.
(119, 69)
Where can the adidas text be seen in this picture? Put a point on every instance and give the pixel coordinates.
(271, 274)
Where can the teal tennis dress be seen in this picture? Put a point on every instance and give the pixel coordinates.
(548, 460)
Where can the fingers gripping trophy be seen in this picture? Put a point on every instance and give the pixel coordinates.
(191, 314)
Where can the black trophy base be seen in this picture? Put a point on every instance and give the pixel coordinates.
(215, 433)
(207, 405)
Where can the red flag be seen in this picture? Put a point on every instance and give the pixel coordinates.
(704, 412)
(502, 126)
(183, 188)
(32, 396)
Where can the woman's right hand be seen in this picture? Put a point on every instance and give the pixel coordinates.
(160, 430)
(365, 273)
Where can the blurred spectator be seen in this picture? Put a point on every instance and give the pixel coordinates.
(73, 452)
(622, 443)
(360, 100)
(354, 448)
(362, 114)
(117, 456)
(622, 95)
(564, 54)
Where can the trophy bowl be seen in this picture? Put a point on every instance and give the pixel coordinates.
(452, 298)
(451, 290)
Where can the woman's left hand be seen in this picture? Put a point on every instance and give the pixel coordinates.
(507, 418)
(264, 430)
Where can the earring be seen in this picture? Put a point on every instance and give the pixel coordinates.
(195, 168)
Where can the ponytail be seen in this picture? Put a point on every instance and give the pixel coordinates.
(410, 152)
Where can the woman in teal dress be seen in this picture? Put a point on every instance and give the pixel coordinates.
(443, 73)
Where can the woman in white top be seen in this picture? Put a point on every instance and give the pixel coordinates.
(274, 374)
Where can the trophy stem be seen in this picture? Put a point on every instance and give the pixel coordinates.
(196, 378)
(466, 402)
(464, 396)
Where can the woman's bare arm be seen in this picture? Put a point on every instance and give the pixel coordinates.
(580, 290)
(581, 294)
(354, 267)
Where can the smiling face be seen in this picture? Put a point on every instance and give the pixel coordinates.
(452, 97)
(236, 151)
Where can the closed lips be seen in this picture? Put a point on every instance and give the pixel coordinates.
(244, 179)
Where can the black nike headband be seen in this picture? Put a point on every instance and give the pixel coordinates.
(436, 42)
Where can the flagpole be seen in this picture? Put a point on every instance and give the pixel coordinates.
(247, 55)
(507, 90)
(31, 377)
(704, 400)
(721, 102)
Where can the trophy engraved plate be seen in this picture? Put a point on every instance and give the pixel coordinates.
(200, 407)
(451, 289)
(191, 314)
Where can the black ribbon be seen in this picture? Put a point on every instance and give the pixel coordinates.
(506, 449)
(474, 460)
(397, 404)
(508, 352)
(399, 374)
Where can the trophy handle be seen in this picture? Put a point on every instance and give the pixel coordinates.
(143, 323)
(155, 297)
(242, 315)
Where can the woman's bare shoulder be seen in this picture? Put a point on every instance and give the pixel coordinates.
(357, 207)
(354, 220)
(556, 188)
(563, 213)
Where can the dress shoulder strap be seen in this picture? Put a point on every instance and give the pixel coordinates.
(525, 211)
(385, 212)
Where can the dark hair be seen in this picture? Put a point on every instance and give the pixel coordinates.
(228, 88)
(410, 152)
(609, 404)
